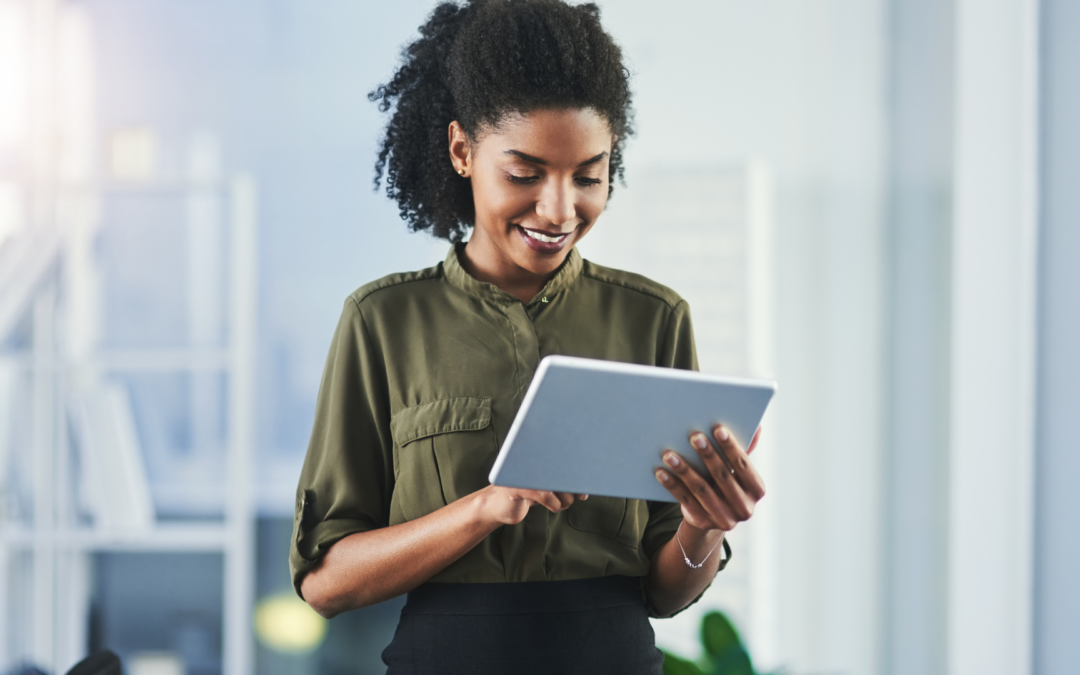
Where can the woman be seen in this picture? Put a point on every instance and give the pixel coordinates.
(508, 118)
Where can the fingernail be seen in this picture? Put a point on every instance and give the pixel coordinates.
(662, 476)
(722, 434)
(671, 459)
(698, 441)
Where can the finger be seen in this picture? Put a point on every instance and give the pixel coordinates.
(691, 508)
(565, 499)
(744, 472)
(544, 497)
(583, 497)
(719, 512)
(717, 464)
(733, 494)
(754, 440)
(552, 501)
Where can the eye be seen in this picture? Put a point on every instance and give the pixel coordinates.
(585, 181)
(522, 180)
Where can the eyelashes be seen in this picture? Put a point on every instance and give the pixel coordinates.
(582, 181)
(522, 180)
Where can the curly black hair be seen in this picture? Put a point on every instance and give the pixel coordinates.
(476, 63)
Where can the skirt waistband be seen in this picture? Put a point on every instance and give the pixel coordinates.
(528, 597)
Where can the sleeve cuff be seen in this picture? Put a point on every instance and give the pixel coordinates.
(310, 545)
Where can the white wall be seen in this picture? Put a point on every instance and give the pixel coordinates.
(992, 359)
(1057, 500)
(918, 251)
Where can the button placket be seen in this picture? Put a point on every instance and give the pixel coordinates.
(527, 354)
(526, 345)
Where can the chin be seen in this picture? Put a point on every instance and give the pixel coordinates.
(539, 264)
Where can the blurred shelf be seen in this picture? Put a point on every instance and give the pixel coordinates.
(132, 360)
(58, 383)
(163, 537)
(110, 186)
(162, 359)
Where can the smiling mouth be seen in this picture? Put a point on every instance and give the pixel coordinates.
(545, 238)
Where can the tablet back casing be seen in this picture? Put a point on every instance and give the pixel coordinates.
(598, 427)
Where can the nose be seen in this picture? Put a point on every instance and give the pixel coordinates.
(556, 203)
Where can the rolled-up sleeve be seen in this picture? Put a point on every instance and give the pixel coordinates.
(348, 475)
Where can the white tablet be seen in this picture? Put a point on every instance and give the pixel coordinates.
(598, 427)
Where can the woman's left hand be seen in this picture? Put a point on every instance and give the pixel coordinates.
(734, 491)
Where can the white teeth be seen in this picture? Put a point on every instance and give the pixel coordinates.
(543, 237)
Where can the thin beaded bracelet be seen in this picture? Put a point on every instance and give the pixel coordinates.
(687, 558)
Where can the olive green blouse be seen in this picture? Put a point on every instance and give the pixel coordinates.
(425, 374)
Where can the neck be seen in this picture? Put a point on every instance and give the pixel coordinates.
(486, 263)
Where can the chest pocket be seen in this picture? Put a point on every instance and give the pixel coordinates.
(623, 520)
(443, 450)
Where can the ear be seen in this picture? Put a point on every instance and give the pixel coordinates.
(460, 149)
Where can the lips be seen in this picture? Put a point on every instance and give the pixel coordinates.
(543, 242)
(547, 239)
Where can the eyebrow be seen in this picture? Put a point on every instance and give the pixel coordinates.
(537, 160)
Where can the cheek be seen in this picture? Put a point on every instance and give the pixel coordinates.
(592, 204)
(493, 198)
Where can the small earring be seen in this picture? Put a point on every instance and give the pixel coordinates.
(461, 172)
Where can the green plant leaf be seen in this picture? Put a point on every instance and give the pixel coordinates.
(734, 662)
(718, 635)
(673, 665)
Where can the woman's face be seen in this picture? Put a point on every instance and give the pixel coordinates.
(539, 182)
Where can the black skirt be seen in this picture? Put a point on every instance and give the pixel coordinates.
(551, 627)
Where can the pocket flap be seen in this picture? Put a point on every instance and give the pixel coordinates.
(459, 413)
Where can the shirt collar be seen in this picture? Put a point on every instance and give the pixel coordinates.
(457, 276)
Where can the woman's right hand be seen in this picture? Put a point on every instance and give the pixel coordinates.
(368, 567)
(509, 506)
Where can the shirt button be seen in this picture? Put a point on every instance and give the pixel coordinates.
(544, 299)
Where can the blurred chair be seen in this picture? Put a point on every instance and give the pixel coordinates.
(25, 669)
(98, 663)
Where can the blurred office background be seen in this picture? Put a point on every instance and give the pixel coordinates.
(876, 202)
